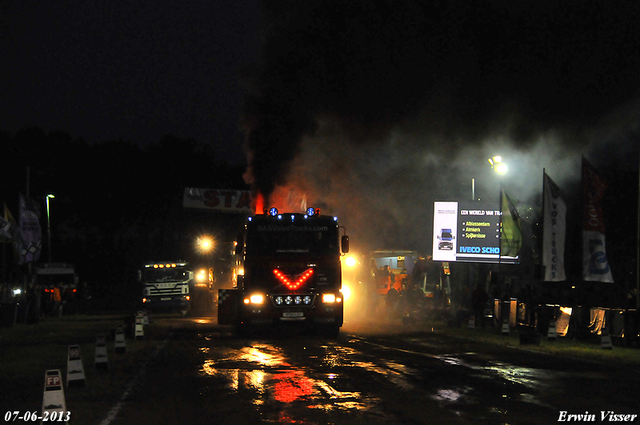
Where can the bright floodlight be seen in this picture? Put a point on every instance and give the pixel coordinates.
(497, 164)
(350, 261)
(205, 243)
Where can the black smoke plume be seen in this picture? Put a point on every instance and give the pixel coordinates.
(412, 95)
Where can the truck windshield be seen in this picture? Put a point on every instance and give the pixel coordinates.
(287, 239)
(165, 275)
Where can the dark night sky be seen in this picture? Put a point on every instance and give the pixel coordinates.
(374, 109)
(370, 109)
(135, 70)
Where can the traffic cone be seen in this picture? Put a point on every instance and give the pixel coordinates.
(605, 340)
(75, 370)
(54, 407)
(552, 334)
(101, 359)
(121, 345)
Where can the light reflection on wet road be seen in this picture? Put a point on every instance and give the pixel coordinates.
(420, 378)
(298, 378)
(265, 373)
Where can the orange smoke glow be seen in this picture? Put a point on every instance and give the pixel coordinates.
(259, 203)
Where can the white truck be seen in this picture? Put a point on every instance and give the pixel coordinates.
(166, 285)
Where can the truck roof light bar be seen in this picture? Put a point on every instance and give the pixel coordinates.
(313, 211)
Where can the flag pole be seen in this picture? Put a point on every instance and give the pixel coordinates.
(638, 245)
(500, 200)
(543, 271)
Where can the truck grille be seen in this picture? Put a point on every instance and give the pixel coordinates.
(166, 290)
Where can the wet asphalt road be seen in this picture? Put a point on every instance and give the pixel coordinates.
(202, 374)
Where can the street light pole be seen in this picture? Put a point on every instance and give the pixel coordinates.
(49, 196)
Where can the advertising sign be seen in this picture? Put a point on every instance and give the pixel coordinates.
(467, 232)
(233, 201)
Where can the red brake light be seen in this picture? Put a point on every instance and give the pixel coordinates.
(301, 278)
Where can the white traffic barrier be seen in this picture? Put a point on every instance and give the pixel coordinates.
(75, 369)
(54, 408)
(505, 327)
(145, 318)
(605, 340)
(121, 345)
(472, 322)
(139, 328)
(552, 333)
(101, 358)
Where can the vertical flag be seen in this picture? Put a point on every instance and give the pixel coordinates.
(30, 229)
(595, 266)
(511, 234)
(554, 231)
(5, 228)
(13, 230)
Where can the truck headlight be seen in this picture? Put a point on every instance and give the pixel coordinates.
(202, 276)
(254, 299)
(331, 298)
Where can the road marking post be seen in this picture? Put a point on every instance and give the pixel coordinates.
(101, 359)
(139, 328)
(121, 345)
(552, 333)
(505, 327)
(75, 369)
(605, 340)
(53, 397)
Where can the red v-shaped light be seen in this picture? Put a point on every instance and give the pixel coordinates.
(301, 278)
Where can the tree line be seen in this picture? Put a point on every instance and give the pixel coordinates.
(117, 204)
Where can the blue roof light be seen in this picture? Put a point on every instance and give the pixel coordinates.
(273, 211)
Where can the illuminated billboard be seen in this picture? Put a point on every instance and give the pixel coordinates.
(467, 232)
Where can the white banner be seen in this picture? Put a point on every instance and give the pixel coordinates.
(554, 231)
(234, 201)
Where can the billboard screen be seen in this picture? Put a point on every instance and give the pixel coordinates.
(467, 232)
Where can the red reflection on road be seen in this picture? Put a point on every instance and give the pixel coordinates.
(291, 386)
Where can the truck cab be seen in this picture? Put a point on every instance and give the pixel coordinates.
(166, 285)
(291, 273)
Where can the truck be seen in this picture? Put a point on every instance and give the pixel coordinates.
(289, 272)
(49, 275)
(398, 268)
(390, 267)
(166, 285)
(446, 239)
